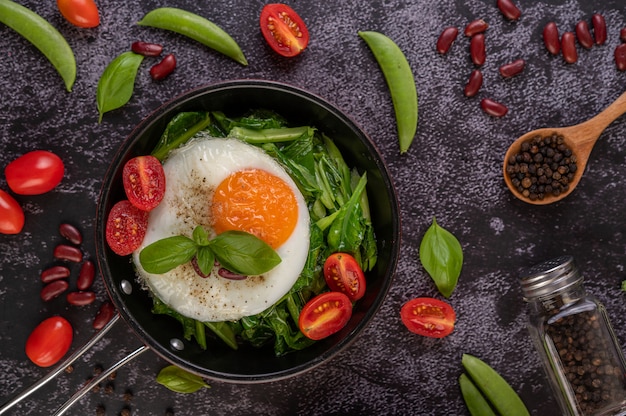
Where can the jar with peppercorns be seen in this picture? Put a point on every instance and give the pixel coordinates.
(574, 338)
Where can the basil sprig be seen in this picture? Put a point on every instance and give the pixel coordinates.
(179, 380)
(237, 251)
(442, 257)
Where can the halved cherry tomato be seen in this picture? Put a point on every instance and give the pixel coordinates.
(81, 13)
(49, 341)
(126, 227)
(144, 182)
(34, 173)
(343, 274)
(325, 315)
(11, 214)
(429, 317)
(283, 29)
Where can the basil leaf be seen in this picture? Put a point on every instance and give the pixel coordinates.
(442, 257)
(180, 129)
(179, 380)
(117, 82)
(200, 236)
(166, 254)
(244, 253)
(206, 259)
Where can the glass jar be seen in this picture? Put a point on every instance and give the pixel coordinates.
(575, 341)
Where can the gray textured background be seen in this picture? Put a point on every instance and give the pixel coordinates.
(453, 172)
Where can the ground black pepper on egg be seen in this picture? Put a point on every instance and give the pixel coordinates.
(545, 165)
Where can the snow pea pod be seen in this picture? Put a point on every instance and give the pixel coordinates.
(43, 36)
(400, 81)
(474, 400)
(195, 27)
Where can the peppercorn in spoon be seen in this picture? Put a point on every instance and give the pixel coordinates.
(545, 165)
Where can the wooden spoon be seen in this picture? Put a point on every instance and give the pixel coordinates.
(580, 138)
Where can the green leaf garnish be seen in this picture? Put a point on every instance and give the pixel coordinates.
(167, 254)
(179, 380)
(200, 236)
(206, 259)
(442, 257)
(116, 85)
(244, 253)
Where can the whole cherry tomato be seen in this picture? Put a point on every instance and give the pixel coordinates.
(81, 13)
(325, 315)
(49, 341)
(11, 214)
(429, 317)
(126, 227)
(34, 173)
(343, 274)
(283, 29)
(144, 182)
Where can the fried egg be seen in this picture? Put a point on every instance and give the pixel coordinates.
(226, 184)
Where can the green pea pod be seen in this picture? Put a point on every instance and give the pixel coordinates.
(117, 82)
(400, 81)
(43, 36)
(195, 27)
(473, 398)
(491, 384)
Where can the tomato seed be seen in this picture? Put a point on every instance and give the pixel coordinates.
(620, 57)
(509, 9)
(104, 315)
(513, 68)
(86, 275)
(54, 273)
(163, 68)
(599, 28)
(71, 233)
(568, 47)
(53, 289)
(477, 49)
(551, 38)
(80, 298)
(493, 108)
(146, 49)
(446, 38)
(69, 253)
(475, 27)
(474, 83)
(583, 34)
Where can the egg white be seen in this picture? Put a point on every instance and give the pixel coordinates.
(192, 173)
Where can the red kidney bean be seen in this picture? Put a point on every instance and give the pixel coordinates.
(146, 49)
(86, 275)
(446, 38)
(475, 27)
(71, 233)
(551, 38)
(599, 28)
(620, 57)
(104, 315)
(509, 9)
(474, 83)
(622, 34)
(163, 68)
(81, 298)
(513, 68)
(54, 273)
(583, 34)
(493, 108)
(53, 289)
(227, 274)
(69, 253)
(477, 49)
(568, 47)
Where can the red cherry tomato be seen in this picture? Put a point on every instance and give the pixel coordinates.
(283, 29)
(34, 173)
(81, 13)
(126, 227)
(49, 341)
(325, 315)
(11, 214)
(343, 274)
(144, 182)
(429, 317)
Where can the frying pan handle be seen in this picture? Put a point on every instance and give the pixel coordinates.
(60, 367)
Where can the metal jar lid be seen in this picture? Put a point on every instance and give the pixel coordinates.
(549, 278)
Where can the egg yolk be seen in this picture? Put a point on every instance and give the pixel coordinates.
(257, 202)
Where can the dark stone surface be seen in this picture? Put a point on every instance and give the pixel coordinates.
(452, 172)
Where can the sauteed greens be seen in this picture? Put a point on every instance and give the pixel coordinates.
(338, 207)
